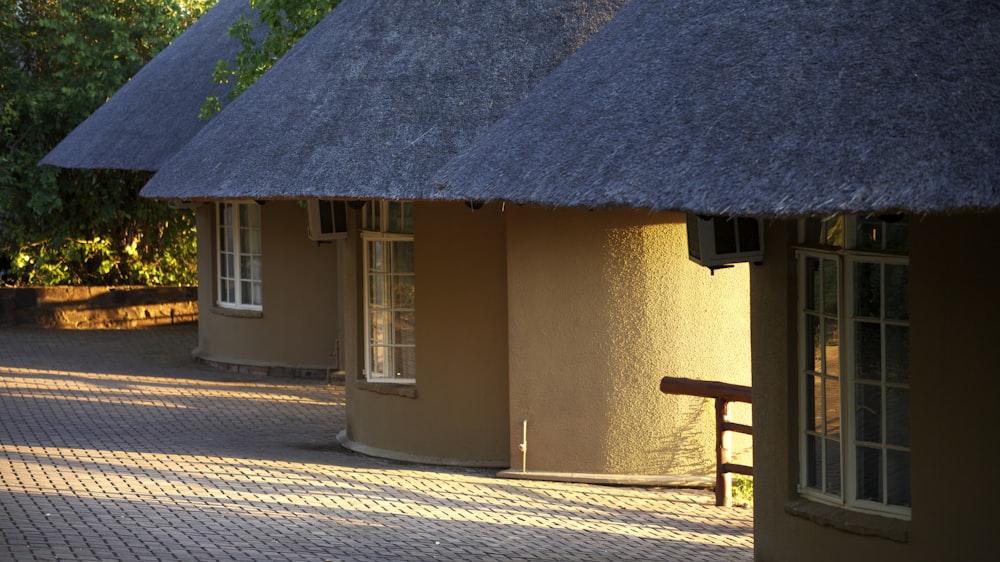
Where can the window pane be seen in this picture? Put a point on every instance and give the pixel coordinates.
(246, 267)
(869, 474)
(832, 407)
(814, 404)
(246, 292)
(340, 215)
(749, 234)
(376, 291)
(402, 257)
(376, 261)
(898, 475)
(834, 233)
(831, 333)
(897, 354)
(814, 466)
(227, 291)
(897, 417)
(408, 217)
(832, 466)
(868, 351)
(812, 284)
(814, 355)
(868, 234)
(403, 291)
(897, 292)
(250, 215)
(325, 216)
(404, 328)
(868, 413)
(377, 362)
(257, 294)
(868, 290)
(725, 235)
(812, 231)
(378, 322)
(830, 286)
(230, 267)
(897, 235)
(372, 216)
(405, 359)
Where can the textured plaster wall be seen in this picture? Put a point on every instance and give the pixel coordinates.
(299, 324)
(459, 414)
(603, 304)
(954, 306)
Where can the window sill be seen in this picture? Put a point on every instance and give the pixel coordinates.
(236, 312)
(854, 522)
(392, 389)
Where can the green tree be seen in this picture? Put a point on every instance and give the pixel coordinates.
(280, 24)
(59, 61)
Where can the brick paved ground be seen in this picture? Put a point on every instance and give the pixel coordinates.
(115, 446)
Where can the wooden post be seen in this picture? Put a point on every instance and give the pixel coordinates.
(723, 393)
(723, 480)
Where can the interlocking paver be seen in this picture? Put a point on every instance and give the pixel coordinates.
(117, 446)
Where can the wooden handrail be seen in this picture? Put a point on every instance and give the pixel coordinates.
(705, 389)
(723, 393)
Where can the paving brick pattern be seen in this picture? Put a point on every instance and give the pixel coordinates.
(116, 446)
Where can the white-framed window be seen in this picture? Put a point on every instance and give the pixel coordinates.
(390, 292)
(854, 363)
(238, 263)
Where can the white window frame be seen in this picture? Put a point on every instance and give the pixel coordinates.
(230, 255)
(369, 234)
(846, 260)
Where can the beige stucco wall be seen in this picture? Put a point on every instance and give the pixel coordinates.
(955, 378)
(459, 414)
(298, 327)
(602, 305)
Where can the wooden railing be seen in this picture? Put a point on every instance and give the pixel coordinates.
(724, 393)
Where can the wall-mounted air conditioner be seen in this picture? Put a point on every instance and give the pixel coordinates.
(327, 219)
(720, 241)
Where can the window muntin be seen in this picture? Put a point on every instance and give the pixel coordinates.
(390, 292)
(854, 371)
(239, 256)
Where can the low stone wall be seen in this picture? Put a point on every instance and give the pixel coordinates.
(91, 308)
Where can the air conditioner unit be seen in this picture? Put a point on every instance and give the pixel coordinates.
(327, 219)
(717, 242)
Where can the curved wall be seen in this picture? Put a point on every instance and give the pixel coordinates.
(602, 305)
(456, 413)
(299, 325)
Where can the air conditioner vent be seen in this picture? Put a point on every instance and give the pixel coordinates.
(327, 219)
(720, 241)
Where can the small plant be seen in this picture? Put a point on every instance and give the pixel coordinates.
(742, 490)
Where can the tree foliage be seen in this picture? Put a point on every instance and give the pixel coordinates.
(280, 24)
(59, 61)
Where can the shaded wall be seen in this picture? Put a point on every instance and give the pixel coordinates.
(456, 413)
(298, 327)
(954, 306)
(603, 304)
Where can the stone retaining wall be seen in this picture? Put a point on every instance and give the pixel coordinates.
(90, 308)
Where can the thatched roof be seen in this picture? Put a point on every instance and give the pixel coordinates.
(376, 97)
(156, 112)
(759, 108)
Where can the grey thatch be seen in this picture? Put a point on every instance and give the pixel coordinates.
(759, 108)
(156, 112)
(375, 98)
